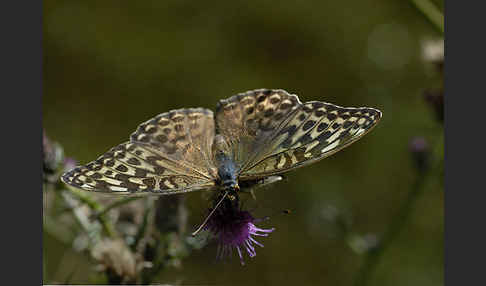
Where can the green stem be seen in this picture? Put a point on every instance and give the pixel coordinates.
(143, 228)
(94, 205)
(373, 256)
(431, 12)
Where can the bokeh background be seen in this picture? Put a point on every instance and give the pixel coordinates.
(110, 65)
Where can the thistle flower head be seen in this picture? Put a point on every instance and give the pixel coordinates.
(235, 229)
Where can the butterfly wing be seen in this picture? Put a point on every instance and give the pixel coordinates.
(170, 153)
(272, 132)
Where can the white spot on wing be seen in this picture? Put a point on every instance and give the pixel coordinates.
(331, 146)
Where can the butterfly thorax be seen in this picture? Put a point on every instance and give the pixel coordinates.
(227, 168)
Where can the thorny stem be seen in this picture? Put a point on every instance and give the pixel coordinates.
(431, 12)
(373, 256)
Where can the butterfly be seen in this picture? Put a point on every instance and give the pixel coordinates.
(252, 138)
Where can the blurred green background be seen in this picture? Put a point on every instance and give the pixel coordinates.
(110, 65)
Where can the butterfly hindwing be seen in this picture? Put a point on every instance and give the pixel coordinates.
(167, 154)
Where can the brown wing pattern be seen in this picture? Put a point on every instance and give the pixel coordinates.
(167, 154)
(281, 139)
(248, 120)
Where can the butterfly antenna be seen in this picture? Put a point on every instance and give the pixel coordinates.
(209, 215)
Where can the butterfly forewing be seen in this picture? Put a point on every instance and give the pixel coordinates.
(167, 154)
(287, 134)
(267, 132)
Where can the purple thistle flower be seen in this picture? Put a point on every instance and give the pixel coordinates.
(235, 229)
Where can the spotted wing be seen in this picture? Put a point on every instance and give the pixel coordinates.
(166, 154)
(271, 131)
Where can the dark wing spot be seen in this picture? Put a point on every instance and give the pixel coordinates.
(122, 177)
(308, 125)
(347, 124)
(267, 91)
(317, 105)
(307, 109)
(122, 168)
(319, 113)
(330, 108)
(324, 136)
(322, 126)
(250, 110)
(331, 116)
(305, 139)
(161, 138)
(371, 112)
(344, 134)
(287, 142)
(140, 172)
(149, 182)
(96, 176)
(335, 125)
(134, 161)
(120, 155)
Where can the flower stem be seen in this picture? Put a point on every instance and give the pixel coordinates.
(373, 256)
(95, 206)
(431, 12)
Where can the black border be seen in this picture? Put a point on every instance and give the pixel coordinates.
(21, 23)
(465, 195)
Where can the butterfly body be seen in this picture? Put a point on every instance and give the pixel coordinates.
(227, 171)
(251, 139)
